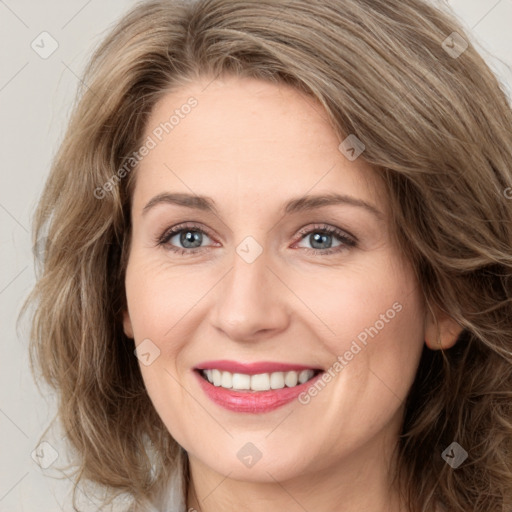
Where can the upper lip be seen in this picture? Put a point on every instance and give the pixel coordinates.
(253, 368)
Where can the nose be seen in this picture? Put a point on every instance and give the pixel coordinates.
(251, 301)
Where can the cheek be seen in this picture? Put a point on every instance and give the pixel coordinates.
(160, 302)
(383, 320)
(160, 296)
(374, 331)
(375, 299)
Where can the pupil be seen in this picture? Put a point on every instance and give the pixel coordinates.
(190, 236)
(321, 238)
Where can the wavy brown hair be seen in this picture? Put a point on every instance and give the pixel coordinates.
(437, 127)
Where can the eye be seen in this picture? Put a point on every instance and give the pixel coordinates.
(321, 238)
(189, 236)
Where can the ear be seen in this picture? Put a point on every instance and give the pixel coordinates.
(127, 324)
(442, 334)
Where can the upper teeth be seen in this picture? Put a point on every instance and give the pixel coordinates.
(259, 382)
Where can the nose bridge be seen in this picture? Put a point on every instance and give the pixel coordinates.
(248, 301)
(247, 282)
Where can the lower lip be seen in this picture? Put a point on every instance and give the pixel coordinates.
(253, 401)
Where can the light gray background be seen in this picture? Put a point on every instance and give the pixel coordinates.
(36, 96)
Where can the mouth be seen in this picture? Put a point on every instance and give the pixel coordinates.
(255, 387)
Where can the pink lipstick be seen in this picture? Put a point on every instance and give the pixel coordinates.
(260, 375)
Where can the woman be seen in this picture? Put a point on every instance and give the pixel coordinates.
(279, 260)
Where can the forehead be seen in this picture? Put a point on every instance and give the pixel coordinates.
(250, 139)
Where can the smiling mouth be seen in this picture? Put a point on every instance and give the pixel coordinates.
(244, 382)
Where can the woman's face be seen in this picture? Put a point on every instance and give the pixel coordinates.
(252, 288)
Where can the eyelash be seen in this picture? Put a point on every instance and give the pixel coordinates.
(347, 241)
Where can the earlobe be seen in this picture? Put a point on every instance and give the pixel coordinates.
(127, 324)
(442, 334)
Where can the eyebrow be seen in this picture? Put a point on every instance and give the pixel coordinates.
(299, 204)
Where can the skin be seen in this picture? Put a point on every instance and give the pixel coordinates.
(251, 146)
